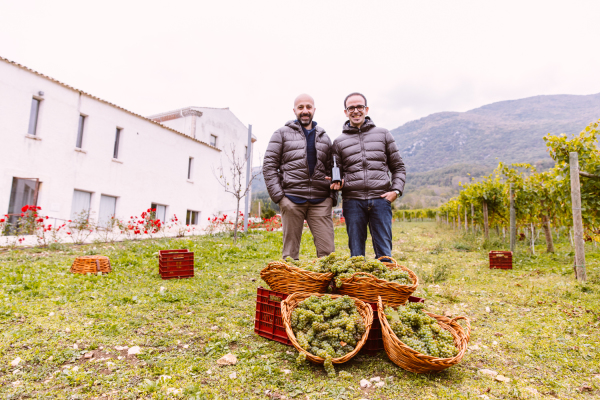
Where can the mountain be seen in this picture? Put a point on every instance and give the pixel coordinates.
(509, 131)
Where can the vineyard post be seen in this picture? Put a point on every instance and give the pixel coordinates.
(458, 216)
(532, 240)
(473, 218)
(466, 223)
(577, 221)
(513, 220)
(486, 229)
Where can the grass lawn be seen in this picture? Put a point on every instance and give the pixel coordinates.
(533, 324)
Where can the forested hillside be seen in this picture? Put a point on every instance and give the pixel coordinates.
(509, 131)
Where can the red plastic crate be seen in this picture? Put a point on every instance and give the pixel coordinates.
(175, 264)
(500, 259)
(269, 324)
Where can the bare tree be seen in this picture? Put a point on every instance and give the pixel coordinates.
(233, 180)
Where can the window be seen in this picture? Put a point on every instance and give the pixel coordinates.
(80, 207)
(191, 217)
(190, 167)
(33, 116)
(79, 142)
(161, 211)
(24, 192)
(213, 140)
(117, 138)
(108, 206)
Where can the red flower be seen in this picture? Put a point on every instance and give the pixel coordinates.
(25, 208)
(69, 221)
(149, 210)
(46, 217)
(146, 232)
(2, 220)
(68, 233)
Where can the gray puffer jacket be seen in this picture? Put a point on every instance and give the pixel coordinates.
(366, 157)
(285, 167)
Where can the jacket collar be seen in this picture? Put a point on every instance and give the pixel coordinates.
(295, 125)
(367, 125)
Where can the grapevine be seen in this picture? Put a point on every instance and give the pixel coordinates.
(326, 327)
(420, 332)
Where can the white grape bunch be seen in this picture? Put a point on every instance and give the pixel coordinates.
(344, 266)
(328, 328)
(420, 332)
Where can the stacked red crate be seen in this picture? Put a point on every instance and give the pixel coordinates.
(500, 259)
(176, 264)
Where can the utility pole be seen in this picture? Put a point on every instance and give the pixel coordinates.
(248, 174)
(577, 221)
(513, 220)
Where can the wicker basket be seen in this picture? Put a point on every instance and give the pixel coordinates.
(288, 305)
(91, 265)
(368, 287)
(285, 278)
(411, 360)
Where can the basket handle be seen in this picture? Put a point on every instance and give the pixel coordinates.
(389, 258)
(467, 329)
(351, 279)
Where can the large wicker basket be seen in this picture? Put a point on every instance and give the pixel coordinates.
(91, 265)
(285, 278)
(368, 287)
(288, 305)
(411, 360)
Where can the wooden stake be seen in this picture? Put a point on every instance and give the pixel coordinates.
(513, 220)
(458, 216)
(577, 220)
(486, 228)
(473, 218)
(466, 223)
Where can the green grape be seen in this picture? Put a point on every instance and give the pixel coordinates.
(328, 364)
(420, 331)
(301, 358)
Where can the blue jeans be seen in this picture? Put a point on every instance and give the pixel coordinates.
(377, 215)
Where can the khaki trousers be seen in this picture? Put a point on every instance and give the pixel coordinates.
(319, 221)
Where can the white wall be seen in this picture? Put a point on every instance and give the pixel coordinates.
(153, 160)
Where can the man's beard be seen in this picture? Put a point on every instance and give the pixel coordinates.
(309, 123)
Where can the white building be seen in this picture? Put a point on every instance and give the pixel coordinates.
(67, 151)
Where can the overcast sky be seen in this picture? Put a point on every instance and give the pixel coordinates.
(410, 58)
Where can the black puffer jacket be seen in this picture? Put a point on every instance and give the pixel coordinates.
(366, 156)
(285, 167)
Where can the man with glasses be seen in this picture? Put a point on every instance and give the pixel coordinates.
(296, 164)
(373, 176)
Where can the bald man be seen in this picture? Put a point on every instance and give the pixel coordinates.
(296, 164)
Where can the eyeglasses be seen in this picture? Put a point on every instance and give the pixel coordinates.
(356, 108)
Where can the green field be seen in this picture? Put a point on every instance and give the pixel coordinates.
(533, 324)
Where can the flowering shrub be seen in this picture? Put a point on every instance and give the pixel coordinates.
(269, 224)
(148, 224)
(81, 227)
(106, 232)
(223, 224)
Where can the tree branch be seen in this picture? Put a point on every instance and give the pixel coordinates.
(588, 175)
